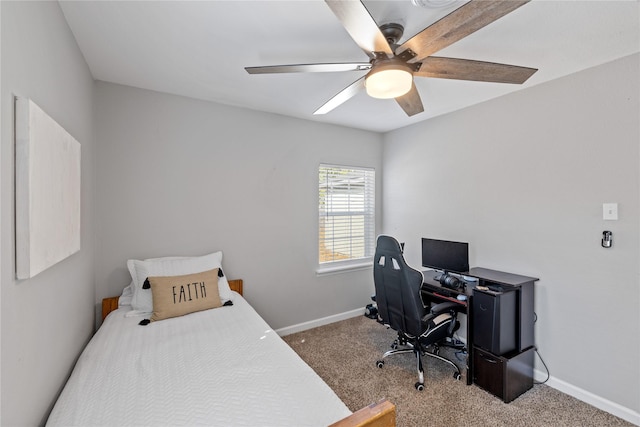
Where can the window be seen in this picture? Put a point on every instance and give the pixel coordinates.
(346, 207)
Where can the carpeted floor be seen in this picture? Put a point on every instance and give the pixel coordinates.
(344, 355)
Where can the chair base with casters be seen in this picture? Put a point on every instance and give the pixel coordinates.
(413, 346)
(442, 323)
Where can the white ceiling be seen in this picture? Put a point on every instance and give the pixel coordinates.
(199, 49)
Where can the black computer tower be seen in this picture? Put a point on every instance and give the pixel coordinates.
(495, 321)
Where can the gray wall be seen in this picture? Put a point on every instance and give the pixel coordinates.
(45, 320)
(522, 178)
(176, 176)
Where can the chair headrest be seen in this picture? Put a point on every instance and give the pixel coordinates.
(388, 244)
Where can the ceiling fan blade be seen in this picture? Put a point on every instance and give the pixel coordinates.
(467, 69)
(463, 21)
(410, 101)
(309, 68)
(362, 28)
(342, 96)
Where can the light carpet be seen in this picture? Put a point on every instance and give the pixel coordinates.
(344, 354)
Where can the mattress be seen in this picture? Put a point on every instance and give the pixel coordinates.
(219, 367)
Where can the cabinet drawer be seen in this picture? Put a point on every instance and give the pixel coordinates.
(488, 372)
(506, 377)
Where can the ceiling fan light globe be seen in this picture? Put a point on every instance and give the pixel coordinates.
(388, 83)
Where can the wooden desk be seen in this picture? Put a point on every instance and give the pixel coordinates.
(524, 319)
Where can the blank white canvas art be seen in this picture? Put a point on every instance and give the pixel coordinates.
(47, 191)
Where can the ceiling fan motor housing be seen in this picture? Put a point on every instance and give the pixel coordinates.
(392, 32)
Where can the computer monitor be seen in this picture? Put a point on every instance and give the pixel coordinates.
(445, 255)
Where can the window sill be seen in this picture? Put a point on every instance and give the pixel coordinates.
(344, 268)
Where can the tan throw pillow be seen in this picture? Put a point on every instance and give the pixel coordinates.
(179, 295)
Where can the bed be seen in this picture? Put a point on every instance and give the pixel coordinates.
(222, 366)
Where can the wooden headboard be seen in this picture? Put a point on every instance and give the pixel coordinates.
(111, 303)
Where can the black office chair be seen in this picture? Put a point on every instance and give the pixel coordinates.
(400, 307)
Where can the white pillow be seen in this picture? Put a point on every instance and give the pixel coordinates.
(127, 295)
(142, 300)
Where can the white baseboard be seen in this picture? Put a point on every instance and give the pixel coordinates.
(590, 398)
(319, 322)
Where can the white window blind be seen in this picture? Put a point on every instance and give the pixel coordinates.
(346, 214)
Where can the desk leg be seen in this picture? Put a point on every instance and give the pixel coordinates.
(469, 340)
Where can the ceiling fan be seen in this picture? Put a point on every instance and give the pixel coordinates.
(391, 67)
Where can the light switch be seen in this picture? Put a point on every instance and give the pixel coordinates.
(610, 211)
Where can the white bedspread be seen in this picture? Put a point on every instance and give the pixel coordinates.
(219, 367)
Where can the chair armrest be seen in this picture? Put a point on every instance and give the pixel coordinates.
(450, 308)
(446, 306)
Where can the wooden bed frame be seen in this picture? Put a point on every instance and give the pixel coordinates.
(380, 414)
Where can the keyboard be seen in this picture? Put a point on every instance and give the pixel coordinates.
(440, 290)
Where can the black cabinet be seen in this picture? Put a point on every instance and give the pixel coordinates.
(503, 333)
(507, 376)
